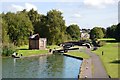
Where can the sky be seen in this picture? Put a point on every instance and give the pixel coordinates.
(85, 13)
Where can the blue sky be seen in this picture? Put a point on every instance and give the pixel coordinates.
(85, 13)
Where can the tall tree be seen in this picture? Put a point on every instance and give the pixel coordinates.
(74, 31)
(104, 31)
(35, 19)
(5, 36)
(117, 32)
(56, 27)
(19, 27)
(110, 32)
(96, 33)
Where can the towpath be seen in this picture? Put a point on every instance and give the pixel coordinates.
(98, 68)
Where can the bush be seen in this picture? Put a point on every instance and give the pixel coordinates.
(101, 43)
(8, 49)
(94, 43)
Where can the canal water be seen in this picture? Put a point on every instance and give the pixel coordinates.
(52, 66)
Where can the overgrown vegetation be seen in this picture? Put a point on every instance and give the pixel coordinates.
(8, 49)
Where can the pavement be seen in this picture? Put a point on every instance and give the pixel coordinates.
(98, 68)
(86, 69)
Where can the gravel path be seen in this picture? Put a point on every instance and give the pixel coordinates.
(98, 70)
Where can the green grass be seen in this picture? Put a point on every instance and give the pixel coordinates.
(23, 47)
(106, 39)
(26, 52)
(78, 54)
(32, 52)
(110, 55)
(52, 46)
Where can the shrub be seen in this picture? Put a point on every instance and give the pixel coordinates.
(94, 42)
(101, 43)
(8, 49)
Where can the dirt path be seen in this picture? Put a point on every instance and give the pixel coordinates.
(98, 70)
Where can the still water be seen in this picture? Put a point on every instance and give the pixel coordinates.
(52, 66)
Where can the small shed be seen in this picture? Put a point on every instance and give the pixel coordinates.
(35, 42)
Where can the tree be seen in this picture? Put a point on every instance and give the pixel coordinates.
(74, 31)
(43, 29)
(117, 32)
(5, 36)
(35, 19)
(110, 32)
(96, 33)
(104, 31)
(55, 26)
(19, 27)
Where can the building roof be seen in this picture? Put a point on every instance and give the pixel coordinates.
(34, 36)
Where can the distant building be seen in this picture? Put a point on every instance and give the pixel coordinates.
(35, 42)
(85, 34)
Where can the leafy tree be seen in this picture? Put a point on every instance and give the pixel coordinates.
(96, 33)
(35, 19)
(43, 29)
(74, 31)
(110, 32)
(19, 27)
(117, 32)
(5, 36)
(104, 31)
(55, 26)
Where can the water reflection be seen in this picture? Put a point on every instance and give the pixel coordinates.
(52, 66)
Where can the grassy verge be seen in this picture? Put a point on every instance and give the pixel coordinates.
(32, 52)
(106, 39)
(26, 52)
(109, 58)
(52, 46)
(78, 54)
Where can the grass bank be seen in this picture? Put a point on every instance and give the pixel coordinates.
(32, 52)
(78, 54)
(52, 46)
(26, 52)
(106, 39)
(110, 58)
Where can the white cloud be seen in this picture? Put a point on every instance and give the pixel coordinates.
(16, 7)
(77, 15)
(99, 3)
(27, 6)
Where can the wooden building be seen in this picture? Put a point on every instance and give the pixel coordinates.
(35, 42)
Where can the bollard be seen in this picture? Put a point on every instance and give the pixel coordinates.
(102, 53)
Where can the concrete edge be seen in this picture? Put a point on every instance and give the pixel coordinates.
(73, 56)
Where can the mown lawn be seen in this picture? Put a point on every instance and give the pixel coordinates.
(26, 52)
(32, 52)
(78, 54)
(110, 58)
(52, 46)
(106, 39)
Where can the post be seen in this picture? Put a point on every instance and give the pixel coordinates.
(102, 53)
